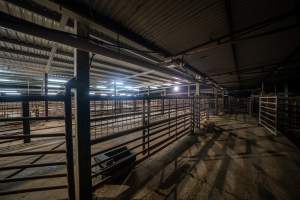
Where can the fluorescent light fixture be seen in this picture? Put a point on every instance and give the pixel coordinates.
(57, 80)
(176, 88)
(101, 87)
(153, 87)
(12, 93)
(177, 83)
(122, 94)
(52, 93)
(103, 94)
(171, 66)
(167, 84)
(9, 91)
(92, 93)
(5, 80)
(54, 86)
(128, 87)
(117, 83)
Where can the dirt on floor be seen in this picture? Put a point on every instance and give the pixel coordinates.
(239, 160)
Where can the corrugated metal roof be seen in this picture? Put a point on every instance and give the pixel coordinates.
(172, 25)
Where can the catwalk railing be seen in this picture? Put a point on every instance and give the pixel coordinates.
(124, 132)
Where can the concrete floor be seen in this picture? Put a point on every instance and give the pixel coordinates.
(241, 162)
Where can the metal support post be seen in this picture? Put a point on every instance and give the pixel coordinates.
(144, 124)
(217, 102)
(46, 93)
(115, 95)
(197, 108)
(148, 125)
(262, 89)
(286, 103)
(26, 123)
(83, 181)
(69, 143)
(176, 108)
(169, 117)
(163, 101)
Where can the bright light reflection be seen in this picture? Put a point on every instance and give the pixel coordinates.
(9, 91)
(12, 93)
(5, 80)
(128, 87)
(54, 86)
(176, 88)
(101, 87)
(117, 83)
(57, 80)
(52, 93)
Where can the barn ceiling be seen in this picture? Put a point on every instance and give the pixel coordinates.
(235, 44)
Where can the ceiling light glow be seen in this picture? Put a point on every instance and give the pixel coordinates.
(176, 88)
(54, 86)
(57, 80)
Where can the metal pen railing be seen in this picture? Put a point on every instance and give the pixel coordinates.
(20, 162)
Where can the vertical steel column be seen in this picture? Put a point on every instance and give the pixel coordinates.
(176, 122)
(192, 113)
(197, 108)
(144, 126)
(223, 102)
(26, 123)
(259, 111)
(286, 104)
(69, 143)
(28, 89)
(115, 95)
(148, 125)
(163, 102)
(169, 116)
(276, 115)
(83, 181)
(46, 93)
(262, 89)
(217, 102)
(134, 105)
(197, 92)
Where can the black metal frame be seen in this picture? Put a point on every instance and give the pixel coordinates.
(160, 120)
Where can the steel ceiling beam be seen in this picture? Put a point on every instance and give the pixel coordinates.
(215, 43)
(70, 64)
(101, 23)
(228, 11)
(26, 27)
